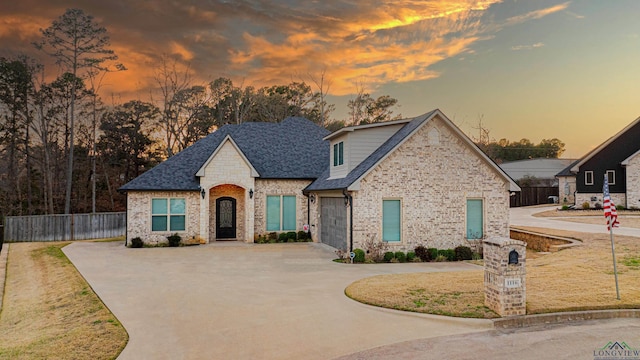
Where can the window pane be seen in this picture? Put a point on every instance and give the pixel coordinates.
(158, 223)
(340, 153)
(288, 213)
(391, 220)
(177, 222)
(335, 155)
(273, 213)
(177, 206)
(158, 206)
(474, 219)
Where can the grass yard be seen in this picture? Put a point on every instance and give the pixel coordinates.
(579, 278)
(50, 312)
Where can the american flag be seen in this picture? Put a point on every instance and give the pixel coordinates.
(609, 207)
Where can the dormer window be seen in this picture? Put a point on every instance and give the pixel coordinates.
(338, 153)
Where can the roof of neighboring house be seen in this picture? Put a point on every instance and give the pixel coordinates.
(291, 149)
(567, 171)
(542, 168)
(397, 139)
(576, 167)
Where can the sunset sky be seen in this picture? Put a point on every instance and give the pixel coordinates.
(529, 69)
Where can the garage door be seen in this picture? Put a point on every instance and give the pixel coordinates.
(333, 223)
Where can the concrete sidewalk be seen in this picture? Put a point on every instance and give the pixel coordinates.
(240, 301)
(523, 216)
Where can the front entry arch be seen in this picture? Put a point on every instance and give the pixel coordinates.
(226, 218)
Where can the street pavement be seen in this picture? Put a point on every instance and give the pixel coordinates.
(523, 216)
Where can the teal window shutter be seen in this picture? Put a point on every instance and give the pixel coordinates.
(474, 219)
(391, 220)
(273, 213)
(288, 213)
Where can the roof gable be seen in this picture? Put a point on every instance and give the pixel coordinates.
(351, 181)
(575, 168)
(227, 139)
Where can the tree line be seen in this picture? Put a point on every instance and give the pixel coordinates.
(65, 150)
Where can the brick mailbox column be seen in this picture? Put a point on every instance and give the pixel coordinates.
(504, 276)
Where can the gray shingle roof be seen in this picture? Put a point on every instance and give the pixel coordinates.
(324, 183)
(292, 149)
(567, 171)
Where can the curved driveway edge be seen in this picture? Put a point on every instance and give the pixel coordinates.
(240, 301)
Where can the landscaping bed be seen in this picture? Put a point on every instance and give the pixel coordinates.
(579, 278)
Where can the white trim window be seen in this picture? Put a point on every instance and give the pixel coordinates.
(611, 177)
(588, 177)
(168, 214)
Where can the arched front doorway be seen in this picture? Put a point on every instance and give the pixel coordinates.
(226, 218)
(227, 212)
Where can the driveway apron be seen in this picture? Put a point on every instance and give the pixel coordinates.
(241, 301)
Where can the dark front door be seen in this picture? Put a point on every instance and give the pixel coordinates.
(225, 218)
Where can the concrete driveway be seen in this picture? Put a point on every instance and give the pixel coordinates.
(241, 301)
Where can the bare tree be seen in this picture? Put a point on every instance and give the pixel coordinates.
(77, 43)
(324, 85)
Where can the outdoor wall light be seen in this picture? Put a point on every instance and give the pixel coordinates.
(202, 192)
(250, 193)
(312, 198)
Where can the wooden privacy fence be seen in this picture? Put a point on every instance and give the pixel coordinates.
(533, 196)
(64, 227)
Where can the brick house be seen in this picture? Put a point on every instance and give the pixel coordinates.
(406, 182)
(619, 159)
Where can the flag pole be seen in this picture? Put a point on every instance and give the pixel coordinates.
(613, 252)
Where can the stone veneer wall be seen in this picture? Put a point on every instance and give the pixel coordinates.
(633, 182)
(565, 199)
(433, 173)
(139, 216)
(618, 199)
(505, 284)
(237, 193)
(266, 187)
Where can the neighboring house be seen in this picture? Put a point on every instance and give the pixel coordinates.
(406, 182)
(619, 159)
(537, 178)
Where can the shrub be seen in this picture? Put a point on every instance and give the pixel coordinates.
(282, 237)
(302, 235)
(174, 240)
(440, 258)
(272, 236)
(291, 236)
(136, 242)
(433, 253)
(598, 206)
(388, 256)
(374, 249)
(411, 256)
(401, 256)
(586, 205)
(449, 254)
(476, 256)
(565, 207)
(422, 253)
(619, 207)
(359, 255)
(463, 253)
